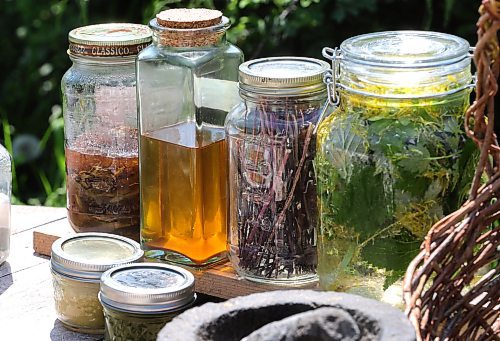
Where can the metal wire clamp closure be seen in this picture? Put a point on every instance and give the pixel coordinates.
(330, 79)
(331, 76)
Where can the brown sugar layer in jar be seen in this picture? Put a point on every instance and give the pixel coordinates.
(103, 193)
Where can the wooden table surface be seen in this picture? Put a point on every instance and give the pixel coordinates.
(26, 295)
(26, 305)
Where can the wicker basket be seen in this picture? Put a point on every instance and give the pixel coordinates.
(452, 288)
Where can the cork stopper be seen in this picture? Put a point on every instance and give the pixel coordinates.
(189, 18)
(189, 27)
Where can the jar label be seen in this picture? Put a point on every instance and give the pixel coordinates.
(216, 94)
(106, 51)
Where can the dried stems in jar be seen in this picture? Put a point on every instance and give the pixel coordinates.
(275, 192)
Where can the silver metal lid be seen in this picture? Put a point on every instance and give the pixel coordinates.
(405, 49)
(86, 256)
(282, 75)
(147, 288)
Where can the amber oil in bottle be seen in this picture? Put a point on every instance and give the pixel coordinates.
(184, 179)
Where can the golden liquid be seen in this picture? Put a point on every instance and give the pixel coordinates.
(183, 192)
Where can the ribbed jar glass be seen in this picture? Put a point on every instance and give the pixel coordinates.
(272, 191)
(392, 158)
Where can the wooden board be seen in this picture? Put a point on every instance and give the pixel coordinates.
(219, 281)
(26, 293)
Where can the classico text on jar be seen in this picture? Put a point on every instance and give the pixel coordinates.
(187, 83)
(393, 158)
(100, 128)
(272, 191)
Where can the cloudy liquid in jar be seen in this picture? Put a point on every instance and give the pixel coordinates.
(183, 194)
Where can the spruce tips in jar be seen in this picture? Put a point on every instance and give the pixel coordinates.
(100, 128)
(139, 299)
(186, 83)
(272, 143)
(393, 158)
(77, 265)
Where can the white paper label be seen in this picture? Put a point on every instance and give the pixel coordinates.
(216, 94)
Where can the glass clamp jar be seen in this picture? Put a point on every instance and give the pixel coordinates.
(392, 159)
(139, 299)
(5, 193)
(77, 264)
(272, 190)
(100, 128)
(187, 83)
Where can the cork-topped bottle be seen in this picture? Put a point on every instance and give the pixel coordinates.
(187, 83)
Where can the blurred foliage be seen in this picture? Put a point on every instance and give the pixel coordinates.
(34, 42)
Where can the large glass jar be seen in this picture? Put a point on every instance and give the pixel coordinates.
(100, 128)
(272, 190)
(393, 158)
(5, 192)
(186, 83)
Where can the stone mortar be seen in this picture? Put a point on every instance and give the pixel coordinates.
(271, 312)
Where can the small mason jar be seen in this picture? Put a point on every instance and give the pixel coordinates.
(100, 128)
(272, 190)
(392, 159)
(5, 193)
(139, 299)
(77, 264)
(186, 84)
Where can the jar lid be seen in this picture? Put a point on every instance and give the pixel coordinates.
(283, 75)
(147, 288)
(109, 40)
(87, 255)
(405, 49)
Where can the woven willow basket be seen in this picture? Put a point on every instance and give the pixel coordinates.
(452, 288)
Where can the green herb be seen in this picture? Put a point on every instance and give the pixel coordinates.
(121, 326)
(386, 172)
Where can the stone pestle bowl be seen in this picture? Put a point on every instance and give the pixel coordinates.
(291, 315)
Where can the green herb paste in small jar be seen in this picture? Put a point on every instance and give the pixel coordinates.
(77, 265)
(139, 299)
(392, 159)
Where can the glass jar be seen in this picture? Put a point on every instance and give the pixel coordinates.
(272, 190)
(393, 158)
(139, 299)
(77, 264)
(5, 192)
(100, 128)
(186, 83)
